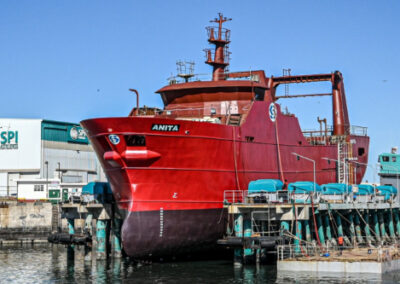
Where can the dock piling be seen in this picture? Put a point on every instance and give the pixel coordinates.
(358, 228)
(376, 226)
(320, 229)
(352, 229)
(101, 239)
(238, 228)
(397, 220)
(248, 252)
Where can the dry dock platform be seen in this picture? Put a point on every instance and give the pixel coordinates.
(343, 261)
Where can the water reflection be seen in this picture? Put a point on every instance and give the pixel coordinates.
(52, 263)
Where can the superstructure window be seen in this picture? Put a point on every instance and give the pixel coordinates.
(385, 158)
(259, 94)
(394, 159)
(361, 151)
(135, 140)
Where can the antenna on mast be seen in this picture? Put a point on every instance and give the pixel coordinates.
(219, 59)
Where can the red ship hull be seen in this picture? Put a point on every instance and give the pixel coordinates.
(172, 189)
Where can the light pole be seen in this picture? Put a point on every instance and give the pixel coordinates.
(59, 170)
(47, 177)
(308, 159)
(344, 165)
(367, 165)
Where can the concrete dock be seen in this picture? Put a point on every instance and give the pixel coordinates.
(343, 260)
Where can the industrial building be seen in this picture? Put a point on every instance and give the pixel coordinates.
(39, 156)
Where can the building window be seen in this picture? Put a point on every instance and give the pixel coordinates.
(38, 187)
(385, 158)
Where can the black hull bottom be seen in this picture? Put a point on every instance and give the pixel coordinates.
(161, 233)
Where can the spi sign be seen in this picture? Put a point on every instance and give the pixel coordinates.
(8, 140)
(76, 134)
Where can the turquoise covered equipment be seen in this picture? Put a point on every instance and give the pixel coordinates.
(386, 191)
(265, 190)
(265, 185)
(363, 192)
(303, 187)
(336, 188)
(300, 191)
(99, 192)
(365, 189)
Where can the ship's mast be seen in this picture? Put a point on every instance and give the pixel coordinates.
(220, 39)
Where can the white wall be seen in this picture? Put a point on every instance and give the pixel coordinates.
(26, 191)
(28, 154)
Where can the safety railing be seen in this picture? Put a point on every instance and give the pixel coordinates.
(283, 196)
(358, 130)
(324, 133)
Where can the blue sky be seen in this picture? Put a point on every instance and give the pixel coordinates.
(71, 60)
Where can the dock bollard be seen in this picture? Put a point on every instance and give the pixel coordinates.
(238, 228)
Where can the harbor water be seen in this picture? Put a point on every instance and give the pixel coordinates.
(50, 264)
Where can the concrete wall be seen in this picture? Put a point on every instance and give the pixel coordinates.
(33, 221)
(25, 220)
(340, 266)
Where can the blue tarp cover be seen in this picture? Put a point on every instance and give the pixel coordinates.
(303, 187)
(266, 185)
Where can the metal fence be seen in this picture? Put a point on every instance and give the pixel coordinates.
(8, 191)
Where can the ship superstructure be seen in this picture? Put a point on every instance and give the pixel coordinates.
(169, 168)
